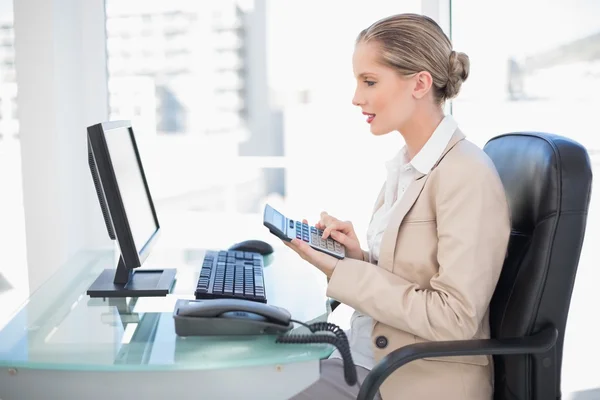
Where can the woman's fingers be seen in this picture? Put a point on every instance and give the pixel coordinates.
(344, 227)
(339, 237)
(328, 224)
(335, 226)
(326, 219)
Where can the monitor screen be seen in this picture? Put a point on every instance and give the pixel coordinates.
(131, 186)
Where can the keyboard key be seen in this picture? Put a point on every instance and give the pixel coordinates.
(204, 281)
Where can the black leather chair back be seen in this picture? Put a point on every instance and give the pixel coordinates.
(547, 179)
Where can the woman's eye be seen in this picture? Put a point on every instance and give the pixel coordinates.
(369, 83)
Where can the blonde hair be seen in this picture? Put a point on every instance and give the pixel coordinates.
(411, 43)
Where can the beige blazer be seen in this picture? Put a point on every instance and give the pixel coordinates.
(440, 260)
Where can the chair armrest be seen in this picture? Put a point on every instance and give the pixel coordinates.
(536, 343)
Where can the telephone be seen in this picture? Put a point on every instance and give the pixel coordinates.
(229, 317)
(246, 317)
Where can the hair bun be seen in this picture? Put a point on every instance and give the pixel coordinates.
(458, 72)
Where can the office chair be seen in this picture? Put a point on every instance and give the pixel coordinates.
(547, 179)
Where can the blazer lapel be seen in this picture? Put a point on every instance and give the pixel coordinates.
(388, 241)
(390, 235)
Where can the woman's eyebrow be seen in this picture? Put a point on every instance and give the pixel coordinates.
(363, 75)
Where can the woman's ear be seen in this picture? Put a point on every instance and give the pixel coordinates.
(422, 85)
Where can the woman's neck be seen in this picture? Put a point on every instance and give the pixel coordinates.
(420, 128)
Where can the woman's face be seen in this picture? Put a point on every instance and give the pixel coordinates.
(385, 97)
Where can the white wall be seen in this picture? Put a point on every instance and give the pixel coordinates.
(62, 88)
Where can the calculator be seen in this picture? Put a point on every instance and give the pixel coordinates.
(288, 229)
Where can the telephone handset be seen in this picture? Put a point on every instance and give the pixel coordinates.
(229, 317)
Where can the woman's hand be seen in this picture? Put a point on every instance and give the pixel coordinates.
(324, 262)
(342, 232)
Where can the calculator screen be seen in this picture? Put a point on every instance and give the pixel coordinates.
(278, 221)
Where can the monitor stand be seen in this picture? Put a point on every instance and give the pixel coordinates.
(127, 283)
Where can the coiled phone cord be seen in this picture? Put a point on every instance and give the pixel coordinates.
(338, 339)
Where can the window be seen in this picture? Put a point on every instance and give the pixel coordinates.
(237, 92)
(535, 65)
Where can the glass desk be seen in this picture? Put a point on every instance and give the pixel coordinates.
(62, 344)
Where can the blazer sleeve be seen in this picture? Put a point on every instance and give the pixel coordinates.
(473, 226)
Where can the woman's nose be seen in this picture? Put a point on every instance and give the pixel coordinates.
(356, 100)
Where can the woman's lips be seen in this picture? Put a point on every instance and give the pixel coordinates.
(370, 117)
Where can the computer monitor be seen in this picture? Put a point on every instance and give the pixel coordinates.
(128, 211)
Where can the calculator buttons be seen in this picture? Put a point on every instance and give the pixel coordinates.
(328, 245)
(314, 238)
(305, 232)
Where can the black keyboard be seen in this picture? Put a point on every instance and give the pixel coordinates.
(232, 275)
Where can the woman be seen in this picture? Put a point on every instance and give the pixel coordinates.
(439, 230)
